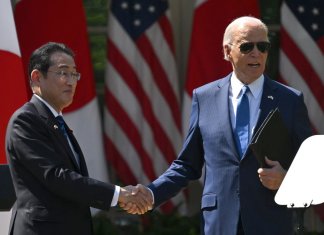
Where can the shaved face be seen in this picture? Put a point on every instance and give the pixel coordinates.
(247, 66)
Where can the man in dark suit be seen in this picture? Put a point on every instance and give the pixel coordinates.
(238, 196)
(50, 177)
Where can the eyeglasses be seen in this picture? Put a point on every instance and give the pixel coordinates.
(65, 75)
(247, 47)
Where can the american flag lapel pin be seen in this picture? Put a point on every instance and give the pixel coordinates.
(270, 97)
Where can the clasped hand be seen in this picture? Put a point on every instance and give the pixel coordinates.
(273, 176)
(135, 199)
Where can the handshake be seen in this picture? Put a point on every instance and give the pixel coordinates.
(135, 199)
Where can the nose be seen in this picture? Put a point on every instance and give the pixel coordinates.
(255, 52)
(70, 80)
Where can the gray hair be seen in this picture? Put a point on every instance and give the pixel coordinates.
(232, 27)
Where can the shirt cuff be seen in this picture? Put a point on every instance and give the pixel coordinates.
(152, 195)
(116, 196)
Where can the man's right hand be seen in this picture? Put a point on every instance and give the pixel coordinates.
(135, 199)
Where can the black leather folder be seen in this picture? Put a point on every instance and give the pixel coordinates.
(7, 192)
(272, 140)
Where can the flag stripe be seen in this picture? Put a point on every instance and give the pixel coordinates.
(304, 67)
(125, 149)
(124, 152)
(130, 78)
(165, 55)
(130, 131)
(166, 28)
(303, 40)
(124, 44)
(301, 59)
(290, 74)
(129, 104)
(142, 99)
(118, 162)
(160, 77)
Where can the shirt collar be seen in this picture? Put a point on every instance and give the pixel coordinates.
(48, 106)
(255, 87)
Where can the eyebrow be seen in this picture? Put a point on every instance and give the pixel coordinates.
(64, 66)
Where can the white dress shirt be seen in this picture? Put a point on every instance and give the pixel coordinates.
(254, 97)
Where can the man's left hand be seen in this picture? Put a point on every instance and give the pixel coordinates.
(273, 176)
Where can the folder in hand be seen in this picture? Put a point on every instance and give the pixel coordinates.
(272, 140)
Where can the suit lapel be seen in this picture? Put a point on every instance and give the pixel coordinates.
(64, 142)
(269, 102)
(222, 102)
(53, 126)
(83, 166)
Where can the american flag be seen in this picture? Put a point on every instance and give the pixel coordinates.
(142, 113)
(301, 65)
(301, 54)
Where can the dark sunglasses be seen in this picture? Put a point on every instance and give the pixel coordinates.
(247, 47)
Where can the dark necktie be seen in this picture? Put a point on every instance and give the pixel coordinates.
(61, 123)
(242, 121)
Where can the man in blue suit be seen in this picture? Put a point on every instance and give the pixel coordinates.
(238, 196)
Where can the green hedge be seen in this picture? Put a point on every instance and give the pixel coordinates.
(117, 222)
(153, 223)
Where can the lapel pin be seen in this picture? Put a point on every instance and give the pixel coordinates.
(270, 97)
(55, 127)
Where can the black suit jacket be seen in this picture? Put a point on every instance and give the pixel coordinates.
(53, 194)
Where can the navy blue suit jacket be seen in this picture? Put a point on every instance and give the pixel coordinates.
(53, 194)
(232, 186)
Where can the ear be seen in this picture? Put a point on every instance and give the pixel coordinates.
(227, 52)
(35, 76)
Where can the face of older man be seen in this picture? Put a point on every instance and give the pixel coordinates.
(248, 51)
(58, 85)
